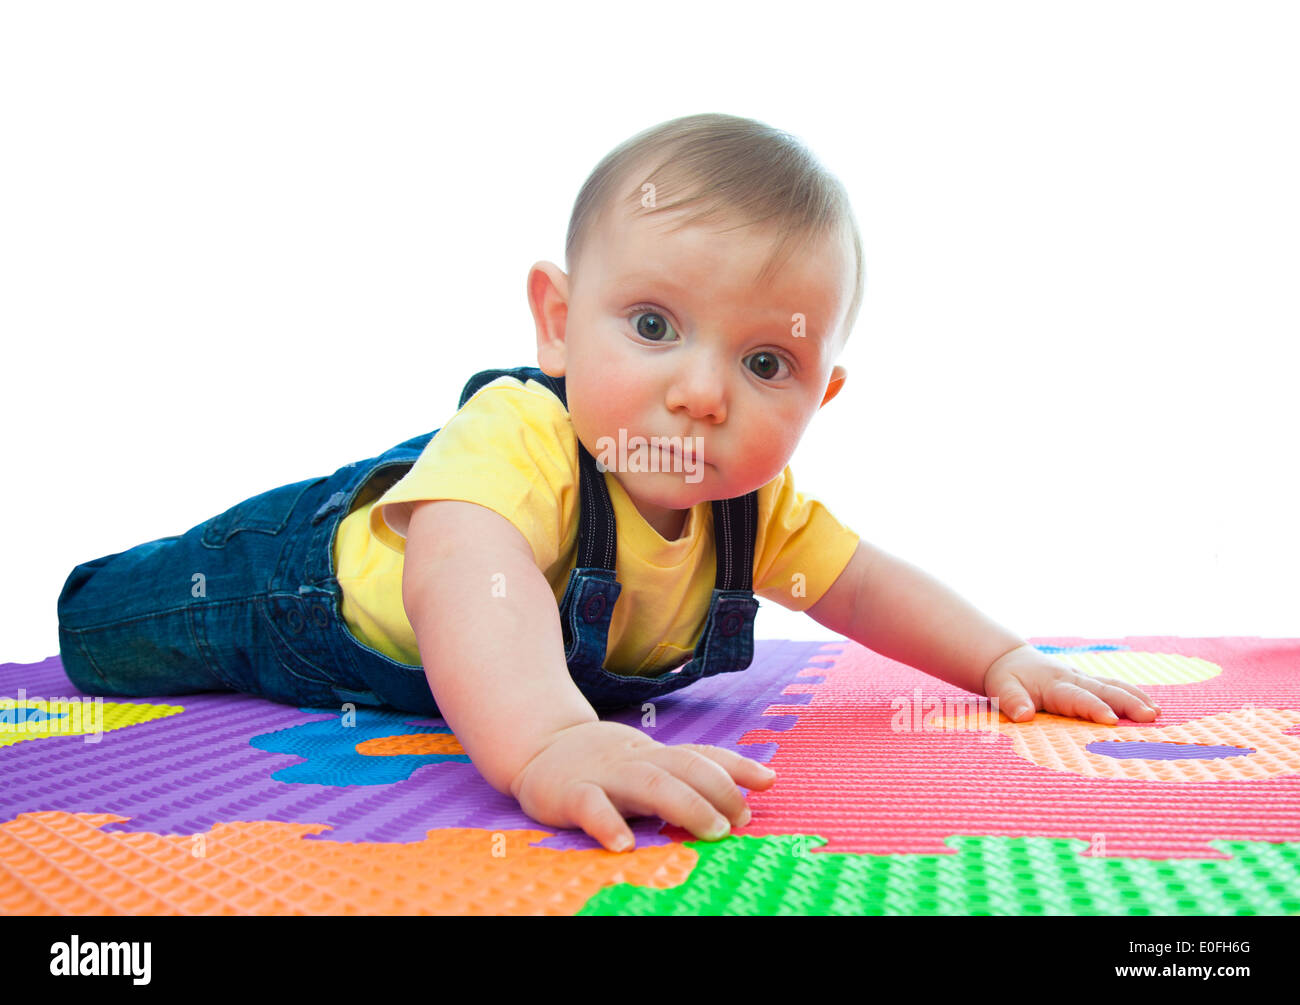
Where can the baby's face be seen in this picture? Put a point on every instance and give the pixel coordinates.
(667, 334)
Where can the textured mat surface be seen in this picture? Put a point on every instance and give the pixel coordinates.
(896, 794)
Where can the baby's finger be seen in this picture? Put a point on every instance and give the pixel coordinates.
(1067, 698)
(696, 765)
(746, 771)
(1014, 702)
(645, 788)
(1142, 710)
(590, 808)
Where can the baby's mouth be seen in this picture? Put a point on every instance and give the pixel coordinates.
(690, 454)
(653, 454)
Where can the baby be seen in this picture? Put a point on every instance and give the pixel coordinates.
(589, 534)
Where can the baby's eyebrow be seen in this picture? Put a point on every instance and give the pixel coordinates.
(793, 324)
(653, 282)
(625, 283)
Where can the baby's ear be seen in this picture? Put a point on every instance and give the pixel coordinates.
(548, 297)
(838, 376)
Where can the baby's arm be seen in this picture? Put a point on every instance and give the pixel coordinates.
(894, 608)
(489, 634)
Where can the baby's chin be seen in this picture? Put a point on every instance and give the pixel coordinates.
(676, 491)
(665, 489)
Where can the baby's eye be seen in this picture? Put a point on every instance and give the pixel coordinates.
(765, 364)
(652, 326)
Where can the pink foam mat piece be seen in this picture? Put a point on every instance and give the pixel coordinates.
(845, 774)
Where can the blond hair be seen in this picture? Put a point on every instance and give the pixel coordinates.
(725, 166)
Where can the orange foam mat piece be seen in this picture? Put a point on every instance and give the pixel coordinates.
(1062, 744)
(56, 863)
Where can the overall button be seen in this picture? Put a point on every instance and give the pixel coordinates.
(593, 608)
(293, 618)
(731, 623)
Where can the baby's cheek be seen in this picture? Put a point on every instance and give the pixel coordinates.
(766, 457)
(780, 432)
(606, 396)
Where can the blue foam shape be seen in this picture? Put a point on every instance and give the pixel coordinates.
(328, 748)
(30, 715)
(1080, 649)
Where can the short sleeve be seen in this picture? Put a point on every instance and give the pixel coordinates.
(801, 548)
(510, 448)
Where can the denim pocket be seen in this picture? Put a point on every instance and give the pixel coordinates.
(296, 688)
(267, 513)
(248, 643)
(287, 621)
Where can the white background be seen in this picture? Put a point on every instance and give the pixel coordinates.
(244, 243)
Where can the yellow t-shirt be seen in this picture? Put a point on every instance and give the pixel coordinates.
(512, 448)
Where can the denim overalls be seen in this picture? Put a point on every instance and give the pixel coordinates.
(248, 600)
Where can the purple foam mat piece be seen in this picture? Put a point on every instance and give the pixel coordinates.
(1164, 750)
(183, 773)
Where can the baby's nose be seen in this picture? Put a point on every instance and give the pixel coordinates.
(700, 393)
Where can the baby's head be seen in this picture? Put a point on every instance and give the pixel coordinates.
(714, 272)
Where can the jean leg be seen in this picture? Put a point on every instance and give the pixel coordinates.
(187, 613)
(126, 628)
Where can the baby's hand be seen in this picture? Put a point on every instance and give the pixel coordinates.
(593, 774)
(1026, 680)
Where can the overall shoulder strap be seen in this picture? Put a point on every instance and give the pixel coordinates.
(520, 373)
(735, 525)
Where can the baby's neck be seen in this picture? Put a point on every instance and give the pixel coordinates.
(669, 524)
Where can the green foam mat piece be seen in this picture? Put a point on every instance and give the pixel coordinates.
(779, 875)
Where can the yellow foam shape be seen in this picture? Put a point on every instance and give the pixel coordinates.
(1058, 742)
(1143, 668)
(79, 718)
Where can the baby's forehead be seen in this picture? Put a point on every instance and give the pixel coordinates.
(684, 230)
(720, 246)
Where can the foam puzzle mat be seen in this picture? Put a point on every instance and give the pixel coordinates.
(896, 794)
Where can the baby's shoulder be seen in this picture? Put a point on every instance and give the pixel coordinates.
(510, 394)
(520, 419)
